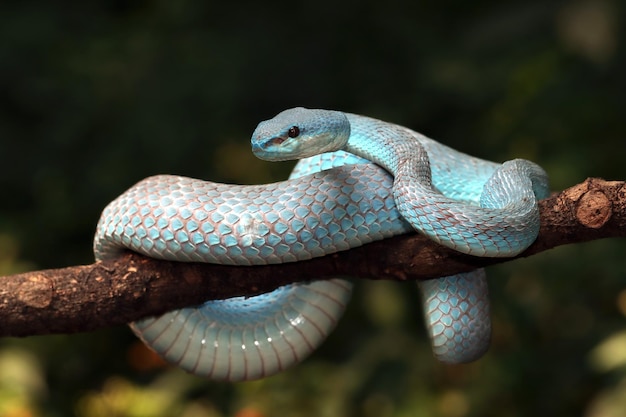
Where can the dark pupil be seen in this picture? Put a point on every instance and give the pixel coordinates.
(293, 131)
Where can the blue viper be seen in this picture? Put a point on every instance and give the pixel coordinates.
(474, 206)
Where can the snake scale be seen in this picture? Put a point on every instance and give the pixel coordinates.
(358, 180)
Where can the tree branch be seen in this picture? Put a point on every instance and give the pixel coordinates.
(84, 298)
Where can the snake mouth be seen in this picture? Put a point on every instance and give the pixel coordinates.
(268, 143)
(276, 141)
(267, 149)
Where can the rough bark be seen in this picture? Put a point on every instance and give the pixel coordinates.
(84, 298)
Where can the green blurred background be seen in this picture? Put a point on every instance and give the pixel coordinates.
(97, 95)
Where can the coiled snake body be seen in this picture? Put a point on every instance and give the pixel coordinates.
(471, 205)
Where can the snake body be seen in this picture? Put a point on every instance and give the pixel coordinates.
(474, 206)
(178, 218)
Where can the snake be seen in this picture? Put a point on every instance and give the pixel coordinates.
(357, 180)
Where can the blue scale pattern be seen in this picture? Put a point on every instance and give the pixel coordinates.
(474, 206)
(471, 205)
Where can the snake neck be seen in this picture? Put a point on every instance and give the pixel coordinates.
(391, 146)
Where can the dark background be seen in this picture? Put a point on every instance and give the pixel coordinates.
(97, 95)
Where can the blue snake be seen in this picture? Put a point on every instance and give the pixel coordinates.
(358, 180)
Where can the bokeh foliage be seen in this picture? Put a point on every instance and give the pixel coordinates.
(97, 95)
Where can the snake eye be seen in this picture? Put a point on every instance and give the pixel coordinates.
(293, 131)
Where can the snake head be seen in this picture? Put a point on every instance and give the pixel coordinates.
(299, 133)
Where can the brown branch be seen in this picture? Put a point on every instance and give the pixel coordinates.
(84, 298)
